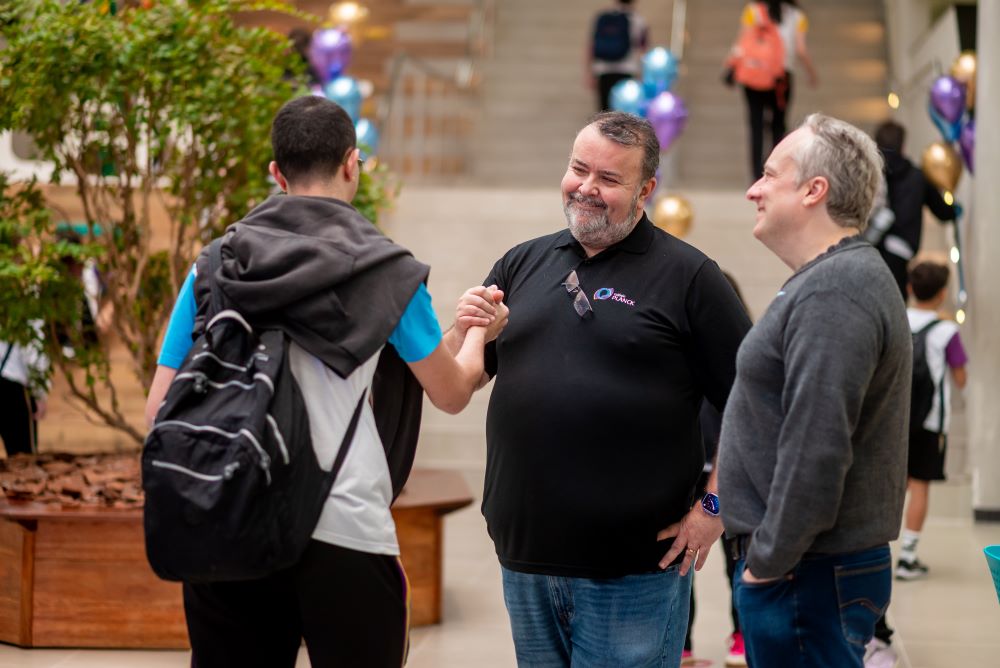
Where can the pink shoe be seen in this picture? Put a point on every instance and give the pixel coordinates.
(687, 658)
(737, 654)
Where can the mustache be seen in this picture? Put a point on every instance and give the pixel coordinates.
(587, 201)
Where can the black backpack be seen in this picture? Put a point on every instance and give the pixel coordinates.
(612, 36)
(924, 387)
(233, 487)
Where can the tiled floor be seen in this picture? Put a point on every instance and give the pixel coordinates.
(950, 619)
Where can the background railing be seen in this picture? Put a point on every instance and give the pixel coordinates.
(425, 117)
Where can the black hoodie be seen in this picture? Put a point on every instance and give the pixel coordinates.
(909, 191)
(316, 269)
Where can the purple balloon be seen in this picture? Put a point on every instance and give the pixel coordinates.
(967, 142)
(948, 98)
(329, 53)
(667, 114)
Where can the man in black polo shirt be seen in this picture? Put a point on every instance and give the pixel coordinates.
(620, 331)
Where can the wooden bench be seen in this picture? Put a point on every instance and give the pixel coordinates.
(79, 577)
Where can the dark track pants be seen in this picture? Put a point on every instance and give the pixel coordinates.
(18, 425)
(351, 607)
(758, 102)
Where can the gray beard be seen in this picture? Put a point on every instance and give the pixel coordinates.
(595, 229)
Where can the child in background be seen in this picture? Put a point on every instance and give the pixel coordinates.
(942, 351)
(937, 347)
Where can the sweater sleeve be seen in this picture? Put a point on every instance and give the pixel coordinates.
(935, 202)
(831, 348)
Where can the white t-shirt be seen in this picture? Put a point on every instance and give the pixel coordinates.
(356, 515)
(937, 340)
(23, 361)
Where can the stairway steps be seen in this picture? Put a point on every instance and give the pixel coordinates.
(846, 41)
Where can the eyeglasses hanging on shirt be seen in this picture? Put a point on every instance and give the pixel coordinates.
(580, 302)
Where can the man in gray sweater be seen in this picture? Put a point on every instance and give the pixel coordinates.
(812, 455)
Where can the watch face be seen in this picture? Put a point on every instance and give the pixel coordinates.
(710, 502)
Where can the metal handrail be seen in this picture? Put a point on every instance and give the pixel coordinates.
(917, 79)
(399, 62)
(677, 29)
(461, 81)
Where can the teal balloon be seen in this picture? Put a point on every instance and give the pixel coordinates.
(345, 92)
(367, 137)
(950, 131)
(628, 96)
(659, 71)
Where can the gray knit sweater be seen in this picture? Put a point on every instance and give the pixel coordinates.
(812, 456)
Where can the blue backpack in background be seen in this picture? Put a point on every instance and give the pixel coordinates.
(612, 36)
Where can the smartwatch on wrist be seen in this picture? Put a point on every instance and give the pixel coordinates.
(710, 504)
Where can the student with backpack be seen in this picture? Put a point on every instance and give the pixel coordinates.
(937, 353)
(304, 285)
(615, 50)
(772, 35)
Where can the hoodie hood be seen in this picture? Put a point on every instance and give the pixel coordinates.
(317, 269)
(896, 166)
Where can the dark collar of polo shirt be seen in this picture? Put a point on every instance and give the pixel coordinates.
(638, 241)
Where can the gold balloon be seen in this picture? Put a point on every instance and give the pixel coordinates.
(964, 70)
(673, 215)
(941, 165)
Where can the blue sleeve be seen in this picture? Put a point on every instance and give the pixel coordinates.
(418, 332)
(177, 341)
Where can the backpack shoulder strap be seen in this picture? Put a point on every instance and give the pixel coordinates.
(10, 349)
(345, 445)
(218, 303)
(926, 328)
(763, 18)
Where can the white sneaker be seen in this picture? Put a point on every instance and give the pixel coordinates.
(879, 654)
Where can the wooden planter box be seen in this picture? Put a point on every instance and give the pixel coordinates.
(79, 577)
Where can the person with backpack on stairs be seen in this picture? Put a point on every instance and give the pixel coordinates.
(615, 50)
(327, 291)
(772, 36)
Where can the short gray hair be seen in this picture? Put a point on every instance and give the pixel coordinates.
(851, 163)
(630, 130)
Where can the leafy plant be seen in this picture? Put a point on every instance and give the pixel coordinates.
(160, 106)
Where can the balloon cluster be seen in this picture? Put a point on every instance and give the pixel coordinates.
(651, 98)
(329, 55)
(951, 107)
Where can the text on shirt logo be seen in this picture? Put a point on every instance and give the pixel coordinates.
(609, 293)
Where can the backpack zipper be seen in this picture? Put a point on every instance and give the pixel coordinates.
(279, 438)
(227, 472)
(265, 459)
(201, 378)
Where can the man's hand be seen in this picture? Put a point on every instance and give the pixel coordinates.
(477, 307)
(500, 319)
(695, 535)
(750, 578)
(41, 408)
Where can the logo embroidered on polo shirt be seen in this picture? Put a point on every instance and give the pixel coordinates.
(609, 293)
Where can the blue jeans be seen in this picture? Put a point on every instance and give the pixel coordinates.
(821, 614)
(631, 621)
